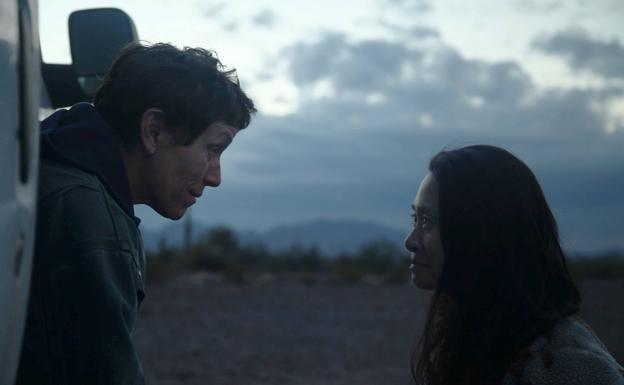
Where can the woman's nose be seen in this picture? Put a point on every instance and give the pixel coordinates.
(412, 241)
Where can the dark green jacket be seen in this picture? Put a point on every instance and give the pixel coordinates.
(87, 283)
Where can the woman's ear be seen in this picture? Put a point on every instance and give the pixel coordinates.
(152, 129)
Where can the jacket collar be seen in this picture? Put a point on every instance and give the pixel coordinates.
(81, 137)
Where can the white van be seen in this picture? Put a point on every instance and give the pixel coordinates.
(30, 90)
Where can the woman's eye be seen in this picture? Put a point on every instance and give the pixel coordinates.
(423, 221)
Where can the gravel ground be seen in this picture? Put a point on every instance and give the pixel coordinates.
(198, 330)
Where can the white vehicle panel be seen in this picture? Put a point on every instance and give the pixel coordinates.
(19, 107)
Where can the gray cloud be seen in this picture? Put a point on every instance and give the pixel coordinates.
(419, 32)
(420, 6)
(423, 32)
(360, 152)
(265, 18)
(538, 5)
(582, 52)
(231, 26)
(349, 66)
(214, 10)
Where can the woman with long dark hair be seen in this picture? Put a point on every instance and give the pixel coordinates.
(504, 304)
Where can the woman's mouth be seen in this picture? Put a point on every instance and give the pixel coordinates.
(415, 264)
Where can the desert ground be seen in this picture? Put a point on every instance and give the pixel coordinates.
(198, 329)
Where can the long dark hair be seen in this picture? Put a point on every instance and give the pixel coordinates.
(504, 280)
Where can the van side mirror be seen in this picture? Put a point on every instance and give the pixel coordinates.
(96, 36)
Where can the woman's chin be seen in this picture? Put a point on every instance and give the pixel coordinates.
(423, 283)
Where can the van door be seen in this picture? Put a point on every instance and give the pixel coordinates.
(19, 105)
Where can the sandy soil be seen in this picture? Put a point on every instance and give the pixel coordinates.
(198, 330)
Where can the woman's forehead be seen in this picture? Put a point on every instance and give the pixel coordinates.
(427, 197)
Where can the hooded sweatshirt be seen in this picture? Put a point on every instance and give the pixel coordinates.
(88, 264)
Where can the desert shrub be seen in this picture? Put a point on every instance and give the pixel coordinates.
(347, 270)
(159, 271)
(298, 258)
(379, 256)
(162, 264)
(256, 256)
(219, 250)
(234, 273)
(605, 266)
(398, 274)
(215, 250)
(309, 278)
(349, 274)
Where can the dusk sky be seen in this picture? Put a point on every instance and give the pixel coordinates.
(354, 98)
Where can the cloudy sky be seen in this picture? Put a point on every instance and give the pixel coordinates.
(355, 97)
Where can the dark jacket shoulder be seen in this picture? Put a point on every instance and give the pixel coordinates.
(76, 207)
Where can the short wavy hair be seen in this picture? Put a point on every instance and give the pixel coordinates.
(189, 85)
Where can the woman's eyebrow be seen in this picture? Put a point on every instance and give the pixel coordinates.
(422, 208)
(425, 210)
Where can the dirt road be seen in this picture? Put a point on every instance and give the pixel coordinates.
(198, 330)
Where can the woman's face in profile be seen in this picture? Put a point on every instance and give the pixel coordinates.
(423, 242)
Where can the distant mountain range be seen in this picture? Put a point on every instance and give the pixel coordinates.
(330, 236)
